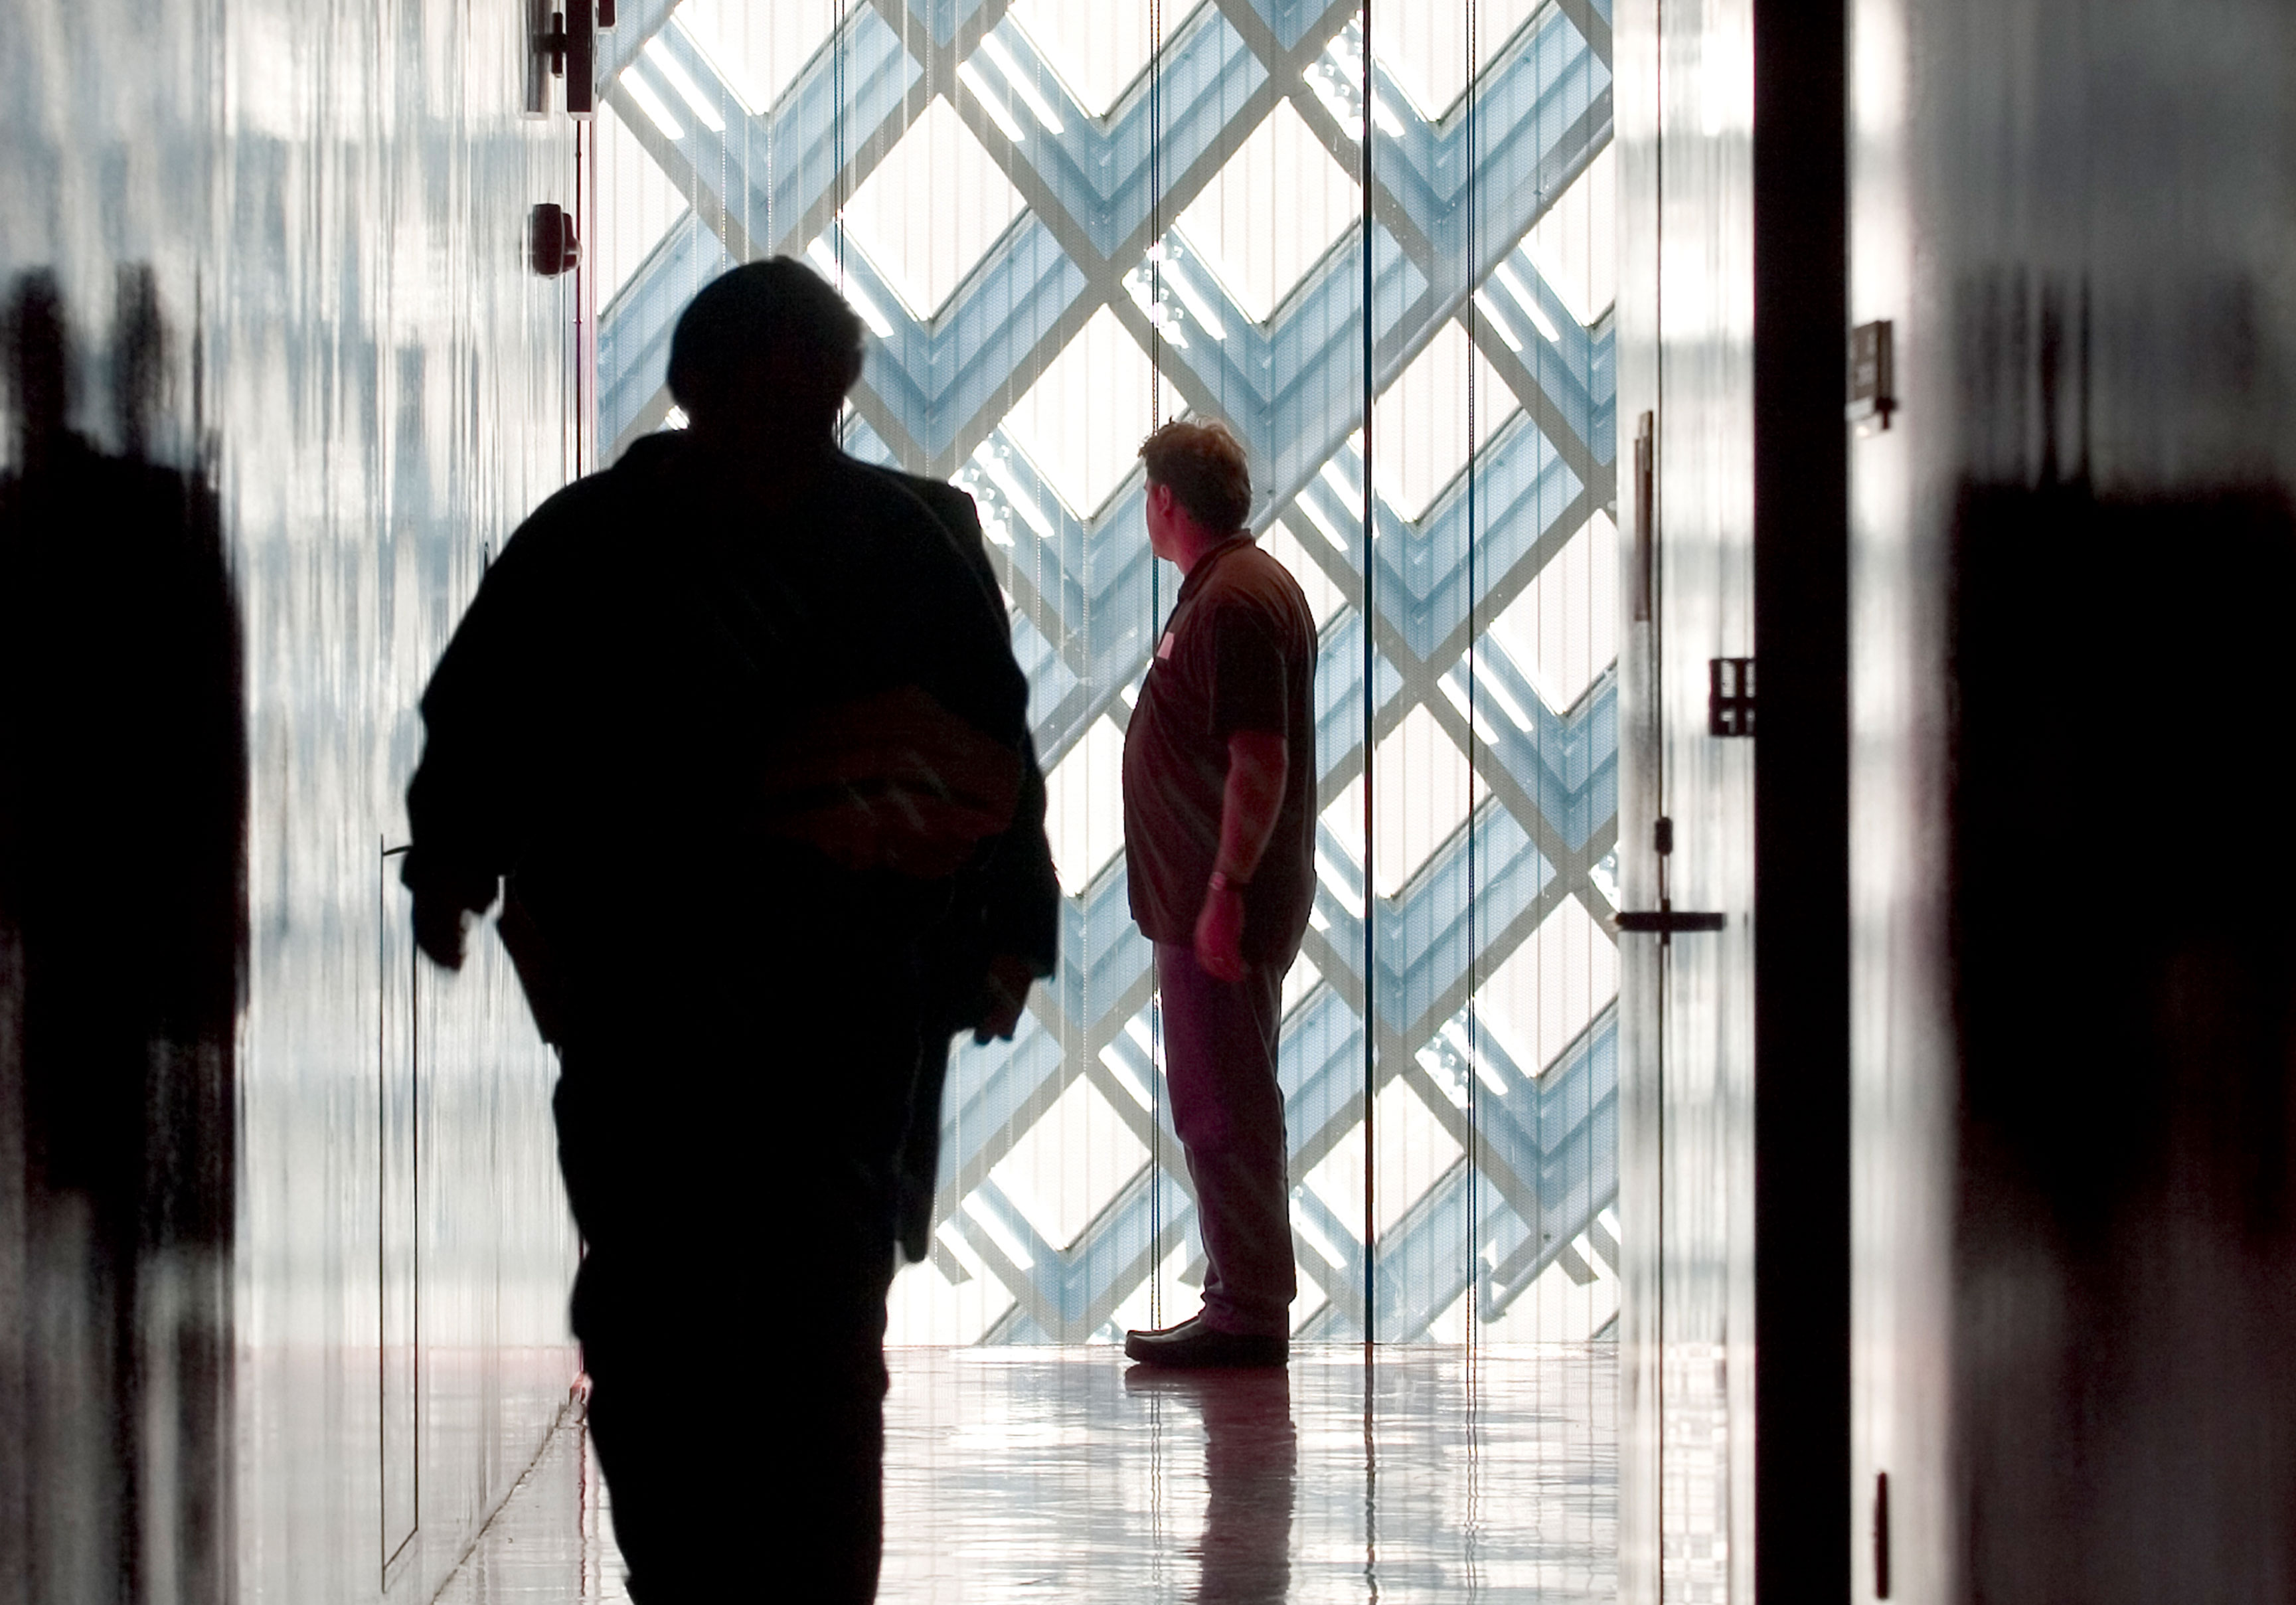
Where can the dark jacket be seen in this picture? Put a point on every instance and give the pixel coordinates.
(1011, 903)
(635, 657)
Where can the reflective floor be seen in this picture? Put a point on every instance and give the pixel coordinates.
(1064, 1474)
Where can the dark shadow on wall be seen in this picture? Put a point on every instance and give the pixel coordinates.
(2125, 928)
(123, 820)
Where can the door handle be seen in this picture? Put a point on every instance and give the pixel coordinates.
(1665, 920)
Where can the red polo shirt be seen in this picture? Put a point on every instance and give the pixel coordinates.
(1239, 654)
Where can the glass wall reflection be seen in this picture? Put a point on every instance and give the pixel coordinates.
(282, 1299)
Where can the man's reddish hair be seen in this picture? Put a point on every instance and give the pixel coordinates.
(1204, 468)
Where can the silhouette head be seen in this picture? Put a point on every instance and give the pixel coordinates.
(39, 364)
(768, 347)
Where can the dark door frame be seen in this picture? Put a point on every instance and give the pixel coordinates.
(1802, 799)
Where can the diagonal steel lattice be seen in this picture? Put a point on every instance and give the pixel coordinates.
(1539, 1143)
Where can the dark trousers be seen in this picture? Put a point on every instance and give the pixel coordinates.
(742, 1437)
(736, 1208)
(1219, 1062)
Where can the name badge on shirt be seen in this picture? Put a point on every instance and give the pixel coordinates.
(1164, 647)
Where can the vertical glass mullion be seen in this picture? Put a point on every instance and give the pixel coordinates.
(1369, 692)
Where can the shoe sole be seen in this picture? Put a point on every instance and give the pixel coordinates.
(1147, 1354)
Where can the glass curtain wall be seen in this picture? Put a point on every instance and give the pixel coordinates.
(1064, 224)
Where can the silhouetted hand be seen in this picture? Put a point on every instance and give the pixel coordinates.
(440, 924)
(1219, 935)
(1009, 979)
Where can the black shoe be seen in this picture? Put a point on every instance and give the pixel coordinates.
(1192, 1344)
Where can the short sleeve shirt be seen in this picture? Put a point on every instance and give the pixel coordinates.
(1239, 654)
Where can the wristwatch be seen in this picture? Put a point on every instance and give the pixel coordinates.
(1224, 882)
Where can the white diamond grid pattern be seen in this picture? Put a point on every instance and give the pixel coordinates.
(1063, 1204)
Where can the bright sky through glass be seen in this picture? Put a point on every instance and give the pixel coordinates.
(933, 207)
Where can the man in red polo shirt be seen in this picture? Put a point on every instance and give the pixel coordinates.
(1220, 826)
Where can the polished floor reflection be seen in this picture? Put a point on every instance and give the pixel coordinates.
(1065, 1474)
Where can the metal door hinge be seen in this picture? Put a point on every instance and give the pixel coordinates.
(1730, 696)
(563, 44)
(1873, 377)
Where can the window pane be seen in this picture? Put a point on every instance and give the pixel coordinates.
(1075, 231)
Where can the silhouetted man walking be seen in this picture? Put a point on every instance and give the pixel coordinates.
(1220, 821)
(739, 721)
